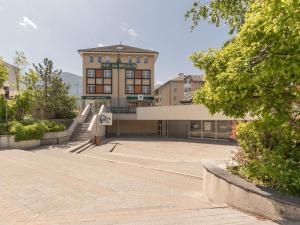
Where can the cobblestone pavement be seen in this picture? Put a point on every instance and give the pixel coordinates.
(53, 186)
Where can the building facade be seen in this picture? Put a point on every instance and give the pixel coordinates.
(121, 78)
(118, 76)
(178, 90)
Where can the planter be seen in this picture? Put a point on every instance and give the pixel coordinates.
(223, 187)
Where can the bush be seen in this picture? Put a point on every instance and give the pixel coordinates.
(28, 131)
(53, 126)
(67, 115)
(269, 154)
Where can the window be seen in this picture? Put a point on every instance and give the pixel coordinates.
(130, 89)
(91, 59)
(99, 81)
(91, 73)
(138, 59)
(137, 82)
(146, 60)
(146, 74)
(107, 73)
(107, 89)
(145, 89)
(99, 59)
(187, 89)
(107, 59)
(91, 89)
(129, 59)
(175, 90)
(129, 74)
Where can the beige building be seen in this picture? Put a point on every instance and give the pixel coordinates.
(122, 78)
(178, 90)
(118, 76)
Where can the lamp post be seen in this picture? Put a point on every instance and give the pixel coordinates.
(6, 97)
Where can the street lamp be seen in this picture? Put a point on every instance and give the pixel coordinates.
(6, 97)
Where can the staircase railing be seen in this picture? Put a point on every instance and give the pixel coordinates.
(94, 128)
(79, 119)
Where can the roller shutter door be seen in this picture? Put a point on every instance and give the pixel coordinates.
(178, 128)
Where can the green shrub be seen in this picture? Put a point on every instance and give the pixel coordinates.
(269, 154)
(27, 132)
(32, 129)
(67, 115)
(53, 126)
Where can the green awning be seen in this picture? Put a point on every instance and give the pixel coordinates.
(135, 97)
(96, 97)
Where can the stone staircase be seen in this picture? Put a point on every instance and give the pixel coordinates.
(80, 134)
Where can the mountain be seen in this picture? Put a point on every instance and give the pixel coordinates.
(75, 82)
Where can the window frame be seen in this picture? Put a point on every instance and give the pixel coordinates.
(134, 82)
(99, 59)
(95, 84)
(91, 59)
(146, 60)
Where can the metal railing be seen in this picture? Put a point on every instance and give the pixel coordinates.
(121, 109)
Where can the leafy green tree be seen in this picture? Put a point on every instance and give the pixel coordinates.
(21, 63)
(53, 94)
(230, 12)
(257, 72)
(21, 105)
(61, 103)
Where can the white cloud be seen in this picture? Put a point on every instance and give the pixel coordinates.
(130, 31)
(100, 45)
(27, 22)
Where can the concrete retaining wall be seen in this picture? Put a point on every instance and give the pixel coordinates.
(8, 141)
(53, 138)
(223, 187)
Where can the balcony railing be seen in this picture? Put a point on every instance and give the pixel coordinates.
(121, 109)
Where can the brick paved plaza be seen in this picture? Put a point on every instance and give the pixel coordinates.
(124, 181)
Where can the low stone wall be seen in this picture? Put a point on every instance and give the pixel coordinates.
(52, 138)
(8, 142)
(221, 186)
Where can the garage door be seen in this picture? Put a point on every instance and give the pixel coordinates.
(178, 128)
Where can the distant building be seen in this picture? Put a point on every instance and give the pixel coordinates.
(178, 90)
(11, 82)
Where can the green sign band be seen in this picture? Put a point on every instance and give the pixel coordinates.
(118, 66)
(96, 97)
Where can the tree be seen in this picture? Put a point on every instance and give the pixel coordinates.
(61, 103)
(232, 12)
(21, 63)
(257, 72)
(53, 94)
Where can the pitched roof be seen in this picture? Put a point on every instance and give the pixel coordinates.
(118, 48)
(181, 77)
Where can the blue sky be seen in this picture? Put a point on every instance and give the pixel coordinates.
(57, 28)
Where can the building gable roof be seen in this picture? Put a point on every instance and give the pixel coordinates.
(118, 48)
(182, 77)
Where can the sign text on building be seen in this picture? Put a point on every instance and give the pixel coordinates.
(118, 65)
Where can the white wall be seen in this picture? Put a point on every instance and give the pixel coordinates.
(180, 112)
